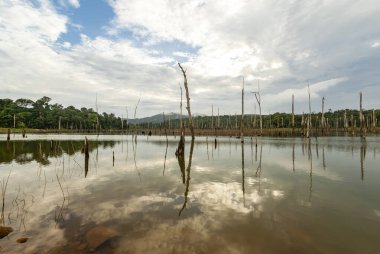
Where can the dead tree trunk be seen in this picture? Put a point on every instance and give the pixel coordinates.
(323, 116)
(309, 118)
(373, 120)
(188, 101)
(212, 116)
(292, 113)
(242, 115)
(361, 116)
(345, 121)
(258, 99)
(180, 114)
(254, 117)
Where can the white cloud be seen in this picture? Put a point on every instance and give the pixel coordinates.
(34, 63)
(280, 44)
(74, 3)
(375, 45)
(267, 40)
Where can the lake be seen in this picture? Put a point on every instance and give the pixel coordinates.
(132, 195)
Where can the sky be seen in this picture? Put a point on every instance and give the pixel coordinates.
(119, 51)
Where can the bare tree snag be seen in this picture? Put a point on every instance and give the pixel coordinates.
(242, 115)
(212, 116)
(258, 99)
(323, 116)
(309, 118)
(188, 101)
(361, 118)
(293, 113)
(180, 113)
(373, 119)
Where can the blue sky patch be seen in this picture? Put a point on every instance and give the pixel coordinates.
(90, 19)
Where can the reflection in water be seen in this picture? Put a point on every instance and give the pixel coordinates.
(85, 166)
(293, 156)
(316, 147)
(208, 155)
(242, 172)
(134, 148)
(166, 152)
(188, 169)
(363, 149)
(258, 169)
(310, 157)
(26, 151)
(45, 201)
(182, 165)
(58, 216)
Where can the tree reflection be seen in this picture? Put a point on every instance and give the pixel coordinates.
(363, 151)
(310, 157)
(293, 155)
(242, 171)
(188, 169)
(258, 169)
(41, 151)
(85, 166)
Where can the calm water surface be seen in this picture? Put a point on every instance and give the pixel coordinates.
(270, 195)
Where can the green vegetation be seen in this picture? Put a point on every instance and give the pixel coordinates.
(40, 114)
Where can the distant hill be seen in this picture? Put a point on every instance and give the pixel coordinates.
(159, 118)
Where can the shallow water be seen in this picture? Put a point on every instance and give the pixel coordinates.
(270, 195)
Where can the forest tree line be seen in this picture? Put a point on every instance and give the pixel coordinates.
(41, 114)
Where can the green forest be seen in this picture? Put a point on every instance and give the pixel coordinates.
(41, 114)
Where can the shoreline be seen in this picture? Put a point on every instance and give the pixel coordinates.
(249, 132)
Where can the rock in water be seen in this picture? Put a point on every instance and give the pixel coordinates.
(22, 240)
(98, 235)
(4, 231)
